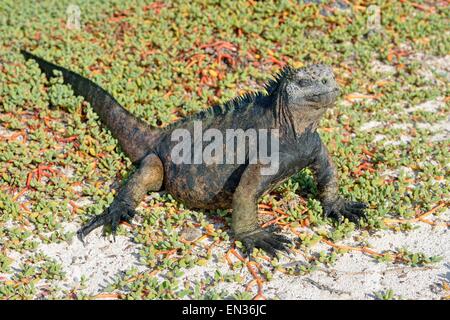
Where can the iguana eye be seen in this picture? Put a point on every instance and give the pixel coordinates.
(324, 80)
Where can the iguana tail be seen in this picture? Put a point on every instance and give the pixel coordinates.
(135, 136)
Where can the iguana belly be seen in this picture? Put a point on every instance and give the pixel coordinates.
(202, 186)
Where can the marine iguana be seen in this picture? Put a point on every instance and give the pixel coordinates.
(293, 103)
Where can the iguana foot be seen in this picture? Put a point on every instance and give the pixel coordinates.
(116, 212)
(341, 209)
(262, 239)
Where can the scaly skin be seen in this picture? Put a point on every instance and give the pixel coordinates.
(293, 104)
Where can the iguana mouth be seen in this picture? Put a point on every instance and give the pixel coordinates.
(317, 98)
(325, 93)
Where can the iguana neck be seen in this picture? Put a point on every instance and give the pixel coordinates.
(303, 119)
(294, 121)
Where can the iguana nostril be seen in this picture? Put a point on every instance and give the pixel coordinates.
(324, 81)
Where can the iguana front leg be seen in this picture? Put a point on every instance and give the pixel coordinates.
(245, 209)
(148, 177)
(332, 203)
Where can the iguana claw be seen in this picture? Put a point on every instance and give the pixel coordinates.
(262, 239)
(341, 209)
(116, 212)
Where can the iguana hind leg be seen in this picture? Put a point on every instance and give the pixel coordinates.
(148, 177)
(244, 219)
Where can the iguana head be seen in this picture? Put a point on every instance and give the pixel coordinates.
(312, 87)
